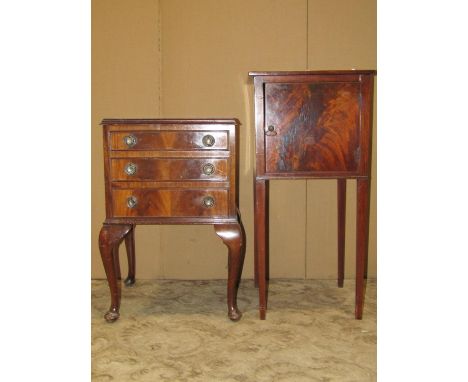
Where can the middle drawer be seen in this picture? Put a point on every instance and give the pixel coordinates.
(173, 169)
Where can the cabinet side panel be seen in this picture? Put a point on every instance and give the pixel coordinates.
(108, 194)
(366, 121)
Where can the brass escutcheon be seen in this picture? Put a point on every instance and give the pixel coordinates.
(208, 140)
(132, 202)
(208, 169)
(208, 201)
(130, 140)
(130, 169)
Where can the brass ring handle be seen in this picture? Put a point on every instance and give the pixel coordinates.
(132, 202)
(208, 201)
(130, 169)
(208, 140)
(208, 169)
(130, 140)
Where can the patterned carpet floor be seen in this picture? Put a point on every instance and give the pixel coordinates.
(179, 331)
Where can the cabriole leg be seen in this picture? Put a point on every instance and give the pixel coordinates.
(110, 237)
(130, 247)
(234, 238)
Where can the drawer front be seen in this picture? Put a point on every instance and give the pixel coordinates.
(312, 127)
(169, 140)
(170, 203)
(147, 169)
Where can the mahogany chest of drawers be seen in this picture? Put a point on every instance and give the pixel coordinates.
(313, 125)
(168, 171)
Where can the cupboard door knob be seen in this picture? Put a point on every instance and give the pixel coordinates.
(132, 202)
(208, 201)
(270, 130)
(130, 140)
(208, 169)
(130, 169)
(208, 140)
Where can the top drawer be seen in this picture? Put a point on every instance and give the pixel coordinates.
(169, 140)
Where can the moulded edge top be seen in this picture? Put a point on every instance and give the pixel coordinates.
(113, 121)
(329, 72)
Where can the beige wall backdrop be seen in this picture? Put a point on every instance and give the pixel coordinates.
(183, 58)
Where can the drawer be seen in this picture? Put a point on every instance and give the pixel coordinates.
(169, 140)
(169, 203)
(147, 169)
(312, 126)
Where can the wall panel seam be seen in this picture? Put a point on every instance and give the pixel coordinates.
(160, 57)
(162, 271)
(307, 35)
(306, 182)
(305, 230)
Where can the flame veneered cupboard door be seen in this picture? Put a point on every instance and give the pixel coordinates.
(312, 127)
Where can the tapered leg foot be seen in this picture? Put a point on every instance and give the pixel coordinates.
(261, 247)
(233, 237)
(362, 232)
(255, 240)
(110, 237)
(341, 229)
(130, 247)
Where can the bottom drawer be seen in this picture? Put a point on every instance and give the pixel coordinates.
(169, 203)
